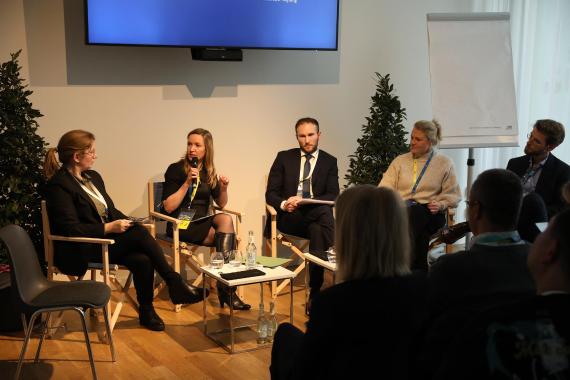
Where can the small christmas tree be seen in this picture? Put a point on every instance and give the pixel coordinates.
(21, 155)
(383, 137)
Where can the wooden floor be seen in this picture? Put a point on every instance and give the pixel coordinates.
(182, 351)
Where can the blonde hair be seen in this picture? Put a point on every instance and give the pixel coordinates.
(432, 130)
(371, 233)
(208, 161)
(71, 142)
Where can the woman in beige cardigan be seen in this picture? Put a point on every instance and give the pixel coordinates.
(426, 180)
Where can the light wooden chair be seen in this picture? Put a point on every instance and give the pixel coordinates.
(296, 244)
(108, 270)
(182, 252)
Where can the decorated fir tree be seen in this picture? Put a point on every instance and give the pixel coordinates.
(383, 136)
(21, 155)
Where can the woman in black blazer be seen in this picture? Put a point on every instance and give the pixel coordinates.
(367, 323)
(79, 205)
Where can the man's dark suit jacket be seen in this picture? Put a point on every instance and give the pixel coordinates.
(283, 177)
(466, 283)
(482, 271)
(73, 213)
(553, 176)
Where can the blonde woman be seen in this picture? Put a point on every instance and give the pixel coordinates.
(79, 205)
(189, 186)
(368, 321)
(426, 180)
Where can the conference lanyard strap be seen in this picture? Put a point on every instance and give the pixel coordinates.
(421, 173)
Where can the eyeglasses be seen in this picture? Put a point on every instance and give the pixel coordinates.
(533, 139)
(91, 153)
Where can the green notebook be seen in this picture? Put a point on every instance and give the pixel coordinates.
(271, 262)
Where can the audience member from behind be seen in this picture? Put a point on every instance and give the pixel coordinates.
(367, 322)
(426, 180)
(491, 272)
(542, 176)
(529, 339)
(79, 205)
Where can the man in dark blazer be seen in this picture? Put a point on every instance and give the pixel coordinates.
(491, 272)
(540, 171)
(307, 172)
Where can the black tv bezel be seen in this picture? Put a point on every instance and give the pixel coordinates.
(86, 28)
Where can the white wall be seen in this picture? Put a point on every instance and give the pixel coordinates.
(141, 102)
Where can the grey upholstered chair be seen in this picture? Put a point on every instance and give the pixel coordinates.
(36, 295)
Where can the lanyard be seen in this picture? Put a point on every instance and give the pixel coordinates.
(94, 193)
(194, 189)
(417, 182)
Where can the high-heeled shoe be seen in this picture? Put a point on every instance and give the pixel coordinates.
(149, 319)
(182, 293)
(224, 298)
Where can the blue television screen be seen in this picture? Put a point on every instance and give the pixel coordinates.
(253, 24)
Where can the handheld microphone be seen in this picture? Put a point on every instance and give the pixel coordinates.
(194, 164)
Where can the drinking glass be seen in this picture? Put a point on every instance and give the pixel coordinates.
(217, 260)
(236, 258)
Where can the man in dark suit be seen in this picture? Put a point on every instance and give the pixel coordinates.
(296, 174)
(491, 272)
(541, 173)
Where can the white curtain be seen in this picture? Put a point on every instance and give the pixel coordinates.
(540, 32)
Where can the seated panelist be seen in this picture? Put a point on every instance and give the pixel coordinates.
(78, 205)
(305, 172)
(542, 176)
(190, 184)
(426, 180)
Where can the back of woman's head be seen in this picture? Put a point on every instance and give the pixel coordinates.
(371, 233)
(71, 142)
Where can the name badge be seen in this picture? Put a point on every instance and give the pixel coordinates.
(186, 217)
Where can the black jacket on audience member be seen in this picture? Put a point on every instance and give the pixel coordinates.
(466, 283)
(363, 329)
(523, 340)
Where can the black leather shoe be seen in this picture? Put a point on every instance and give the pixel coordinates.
(182, 293)
(149, 319)
(450, 235)
(237, 303)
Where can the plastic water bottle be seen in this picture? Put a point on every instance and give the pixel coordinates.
(251, 251)
(272, 322)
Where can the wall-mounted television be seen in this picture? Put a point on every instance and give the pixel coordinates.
(247, 24)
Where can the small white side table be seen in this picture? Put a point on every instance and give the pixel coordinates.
(271, 274)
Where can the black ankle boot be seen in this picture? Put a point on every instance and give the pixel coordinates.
(182, 293)
(224, 298)
(149, 319)
(225, 243)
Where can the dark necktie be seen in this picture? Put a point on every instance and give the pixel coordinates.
(306, 179)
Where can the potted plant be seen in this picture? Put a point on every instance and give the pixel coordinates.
(21, 157)
(383, 136)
